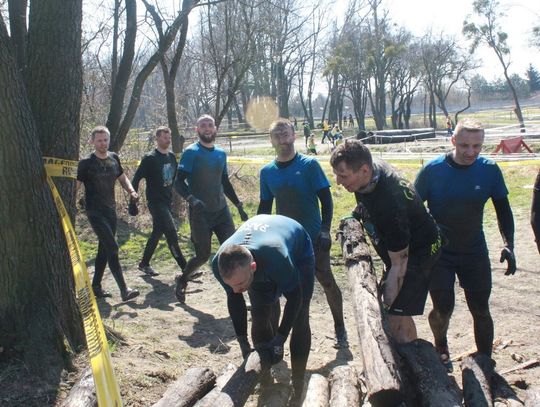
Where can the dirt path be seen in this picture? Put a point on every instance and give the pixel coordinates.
(165, 338)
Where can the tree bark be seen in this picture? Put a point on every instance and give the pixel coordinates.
(240, 385)
(83, 393)
(344, 390)
(476, 376)
(317, 394)
(383, 380)
(428, 375)
(222, 379)
(185, 391)
(32, 315)
(54, 88)
(532, 398)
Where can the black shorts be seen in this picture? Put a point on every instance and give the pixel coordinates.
(412, 297)
(473, 271)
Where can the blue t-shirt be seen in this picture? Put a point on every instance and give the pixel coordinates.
(456, 196)
(295, 189)
(279, 246)
(206, 167)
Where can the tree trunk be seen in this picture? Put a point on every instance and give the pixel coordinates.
(532, 399)
(383, 380)
(54, 88)
(344, 390)
(428, 375)
(317, 392)
(33, 318)
(185, 391)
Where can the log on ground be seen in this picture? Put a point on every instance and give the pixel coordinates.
(428, 375)
(476, 373)
(317, 394)
(240, 385)
(344, 389)
(502, 393)
(383, 381)
(192, 386)
(83, 393)
(532, 398)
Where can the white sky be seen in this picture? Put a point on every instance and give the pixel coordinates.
(447, 16)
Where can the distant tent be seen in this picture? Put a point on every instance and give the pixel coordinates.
(512, 146)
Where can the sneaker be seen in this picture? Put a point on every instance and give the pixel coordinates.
(341, 341)
(180, 289)
(100, 292)
(444, 354)
(129, 294)
(148, 270)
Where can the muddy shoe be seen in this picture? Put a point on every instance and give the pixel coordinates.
(444, 354)
(148, 270)
(180, 289)
(129, 294)
(341, 341)
(295, 399)
(100, 292)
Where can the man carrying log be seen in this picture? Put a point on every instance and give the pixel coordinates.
(456, 187)
(270, 256)
(298, 184)
(403, 233)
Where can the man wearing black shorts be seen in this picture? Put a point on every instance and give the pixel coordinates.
(159, 169)
(203, 181)
(99, 173)
(457, 186)
(270, 256)
(403, 233)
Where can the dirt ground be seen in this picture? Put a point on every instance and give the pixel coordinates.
(164, 338)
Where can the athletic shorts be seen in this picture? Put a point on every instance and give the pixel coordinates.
(412, 297)
(473, 271)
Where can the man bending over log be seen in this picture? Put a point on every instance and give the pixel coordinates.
(270, 256)
(403, 233)
(457, 186)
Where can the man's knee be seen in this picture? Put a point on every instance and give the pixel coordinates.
(325, 279)
(443, 303)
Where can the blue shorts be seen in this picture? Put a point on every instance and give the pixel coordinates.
(473, 271)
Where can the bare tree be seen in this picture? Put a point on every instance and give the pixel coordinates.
(488, 31)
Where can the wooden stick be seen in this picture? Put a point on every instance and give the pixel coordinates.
(185, 392)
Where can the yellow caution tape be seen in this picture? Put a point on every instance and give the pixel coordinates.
(107, 390)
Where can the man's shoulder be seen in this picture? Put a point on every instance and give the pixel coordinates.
(435, 162)
(487, 162)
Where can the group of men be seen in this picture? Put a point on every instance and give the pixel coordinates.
(270, 256)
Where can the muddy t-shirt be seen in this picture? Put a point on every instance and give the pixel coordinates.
(279, 245)
(98, 176)
(295, 189)
(205, 167)
(456, 196)
(159, 171)
(397, 215)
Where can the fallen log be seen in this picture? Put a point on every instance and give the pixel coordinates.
(240, 385)
(317, 392)
(221, 381)
(83, 393)
(532, 397)
(192, 386)
(383, 381)
(428, 375)
(476, 373)
(344, 390)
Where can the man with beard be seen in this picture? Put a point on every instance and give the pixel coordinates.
(457, 186)
(202, 180)
(298, 184)
(159, 168)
